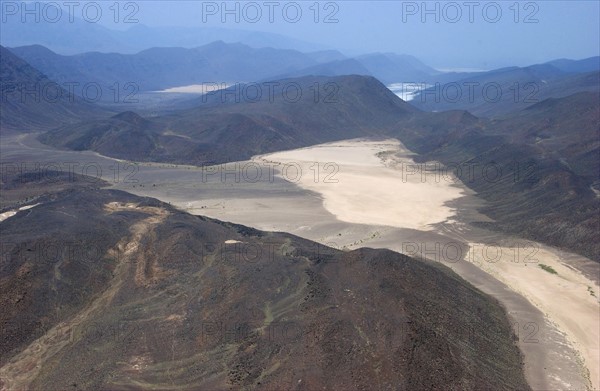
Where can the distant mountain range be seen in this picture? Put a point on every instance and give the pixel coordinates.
(71, 34)
(162, 68)
(498, 92)
(489, 94)
(217, 62)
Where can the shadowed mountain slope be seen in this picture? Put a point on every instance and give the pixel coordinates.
(501, 92)
(30, 101)
(537, 170)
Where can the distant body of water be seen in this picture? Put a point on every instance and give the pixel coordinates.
(407, 90)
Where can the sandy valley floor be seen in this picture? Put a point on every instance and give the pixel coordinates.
(357, 188)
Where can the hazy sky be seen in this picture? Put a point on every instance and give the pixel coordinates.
(446, 34)
(469, 34)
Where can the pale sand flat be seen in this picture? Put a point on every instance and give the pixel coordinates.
(568, 298)
(357, 188)
(11, 213)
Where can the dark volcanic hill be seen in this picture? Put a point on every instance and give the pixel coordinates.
(237, 123)
(125, 135)
(538, 170)
(109, 291)
(564, 128)
(32, 102)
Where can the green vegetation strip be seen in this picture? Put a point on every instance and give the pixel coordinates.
(547, 268)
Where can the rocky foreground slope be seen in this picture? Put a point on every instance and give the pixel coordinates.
(109, 291)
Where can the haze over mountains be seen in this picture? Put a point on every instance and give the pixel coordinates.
(217, 62)
(489, 94)
(72, 34)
